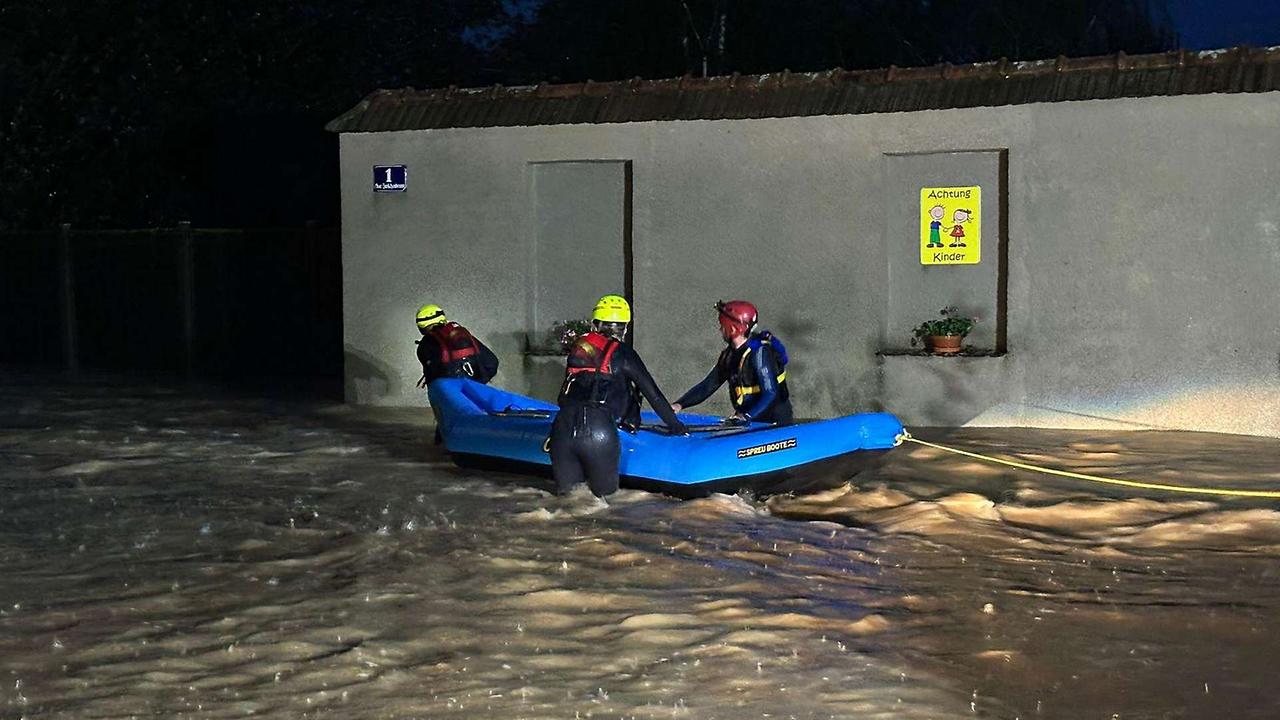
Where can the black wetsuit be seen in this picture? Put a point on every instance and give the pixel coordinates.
(584, 436)
(481, 366)
(757, 384)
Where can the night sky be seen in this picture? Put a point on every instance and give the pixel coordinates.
(1211, 24)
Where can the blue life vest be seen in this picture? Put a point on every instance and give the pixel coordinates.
(743, 383)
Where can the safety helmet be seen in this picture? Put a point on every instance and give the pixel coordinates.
(429, 315)
(737, 317)
(612, 309)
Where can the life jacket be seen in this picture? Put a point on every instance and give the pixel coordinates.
(457, 346)
(743, 382)
(587, 372)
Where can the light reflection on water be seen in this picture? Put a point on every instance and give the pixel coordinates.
(175, 555)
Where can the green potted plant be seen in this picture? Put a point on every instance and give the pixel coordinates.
(942, 336)
(565, 333)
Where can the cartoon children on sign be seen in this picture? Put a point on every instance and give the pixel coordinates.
(936, 213)
(957, 232)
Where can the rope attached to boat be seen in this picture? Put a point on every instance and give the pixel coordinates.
(1232, 492)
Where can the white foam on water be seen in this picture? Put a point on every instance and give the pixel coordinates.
(334, 563)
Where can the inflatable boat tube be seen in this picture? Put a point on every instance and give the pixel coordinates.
(487, 427)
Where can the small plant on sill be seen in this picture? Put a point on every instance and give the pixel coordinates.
(943, 335)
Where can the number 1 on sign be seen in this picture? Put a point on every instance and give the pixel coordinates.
(389, 178)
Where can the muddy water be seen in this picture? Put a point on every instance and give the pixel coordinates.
(168, 554)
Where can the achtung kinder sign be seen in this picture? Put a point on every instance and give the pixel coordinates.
(950, 225)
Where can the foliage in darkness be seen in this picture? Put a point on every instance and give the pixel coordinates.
(144, 112)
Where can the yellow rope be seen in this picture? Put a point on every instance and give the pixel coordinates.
(1234, 492)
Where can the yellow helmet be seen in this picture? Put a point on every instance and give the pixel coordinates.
(612, 308)
(429, 315)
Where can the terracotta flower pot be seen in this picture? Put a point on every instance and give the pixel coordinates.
(943, 344)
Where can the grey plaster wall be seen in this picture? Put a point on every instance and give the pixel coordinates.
(1143, 279)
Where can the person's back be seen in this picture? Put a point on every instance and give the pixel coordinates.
(602, 371)
(447, 349)
(603, 381)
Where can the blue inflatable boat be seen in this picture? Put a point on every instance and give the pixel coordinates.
(487, 427)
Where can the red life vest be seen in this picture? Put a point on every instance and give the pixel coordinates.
(456, 342)
(587, 372)
(591, 354)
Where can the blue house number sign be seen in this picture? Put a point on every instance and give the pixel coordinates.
(390, 178)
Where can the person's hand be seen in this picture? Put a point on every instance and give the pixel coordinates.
(678, 429)
(736, 419)
(676, 407)
(422, 382)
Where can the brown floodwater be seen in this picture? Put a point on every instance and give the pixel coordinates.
(178, 554)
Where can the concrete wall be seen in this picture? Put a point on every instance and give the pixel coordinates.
(1143, 243)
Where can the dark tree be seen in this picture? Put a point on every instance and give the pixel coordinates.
(151, 111)
(137, 112)
(576, 40)
(571, 40)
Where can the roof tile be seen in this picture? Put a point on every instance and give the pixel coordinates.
(836, 92)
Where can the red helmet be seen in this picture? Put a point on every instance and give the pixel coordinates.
(737, 317)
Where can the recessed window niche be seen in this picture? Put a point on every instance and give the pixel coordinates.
(947, 245)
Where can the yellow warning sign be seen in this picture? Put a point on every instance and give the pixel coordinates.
(950, 225)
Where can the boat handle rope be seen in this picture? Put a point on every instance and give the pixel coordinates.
(1232, 492)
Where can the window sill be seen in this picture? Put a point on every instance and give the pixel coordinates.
(967, 352)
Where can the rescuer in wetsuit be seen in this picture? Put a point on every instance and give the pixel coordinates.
(754, 365)
(603, 382)
(446, 349)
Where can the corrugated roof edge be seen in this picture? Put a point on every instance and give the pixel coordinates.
(832, 92)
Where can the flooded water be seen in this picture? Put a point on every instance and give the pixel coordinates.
(169, 554)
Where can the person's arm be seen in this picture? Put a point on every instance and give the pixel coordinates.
(429, 356)
(639, 374)
(488, 360)
(762, 363)
(704, 389)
